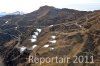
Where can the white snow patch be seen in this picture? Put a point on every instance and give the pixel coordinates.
(36, 33)
(51, 25)
(51, 48)
(78, 25)
(6, 22)
(53, 41)
(33, 40)
(34, 36)
(46, 46)
(34, 46)
(16, 27)
(22, 49)
(53, 37)
(39, 30)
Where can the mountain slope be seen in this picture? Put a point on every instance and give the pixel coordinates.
(77, 33)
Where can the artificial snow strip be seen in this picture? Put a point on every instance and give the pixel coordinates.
(46, 46)
(39, 30)
(53, 37)
(36, 33)
(53, 41)
(33, 46)
(33, 40)
(22, 49)
(34, 36)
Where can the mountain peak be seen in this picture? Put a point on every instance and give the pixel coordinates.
(17, 13)
(46, 7)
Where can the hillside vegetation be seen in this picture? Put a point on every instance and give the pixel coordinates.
(77, 34)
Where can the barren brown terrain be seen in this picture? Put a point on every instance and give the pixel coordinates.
(77, 34)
